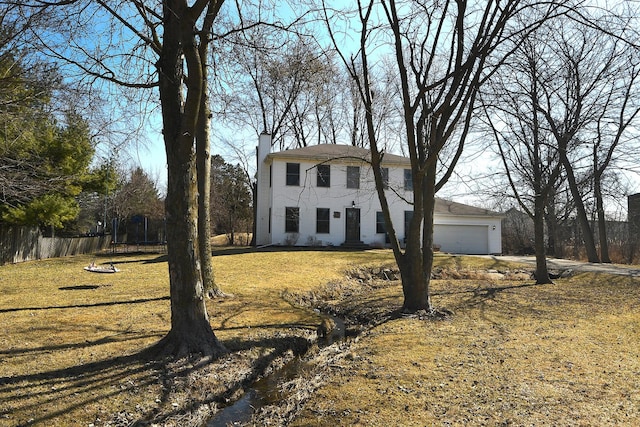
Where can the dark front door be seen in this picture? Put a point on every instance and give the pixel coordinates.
(353, 225)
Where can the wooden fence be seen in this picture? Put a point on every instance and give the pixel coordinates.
(19, 244)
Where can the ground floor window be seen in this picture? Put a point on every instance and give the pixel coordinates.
(322, 220)
(292, 220)
(380, 223)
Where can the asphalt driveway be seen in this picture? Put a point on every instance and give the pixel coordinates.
(568, 264)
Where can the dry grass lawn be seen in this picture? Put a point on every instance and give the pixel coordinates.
(70, 340)
(511, 354)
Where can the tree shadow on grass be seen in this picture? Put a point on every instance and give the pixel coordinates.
(97, 304)
(234, 310)
(481, 294)
(369, 312)
(47, 395)
(492, 303)
(156, 260)
(129, 258)
(116, 338)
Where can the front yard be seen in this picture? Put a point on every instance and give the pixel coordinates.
(510, 354)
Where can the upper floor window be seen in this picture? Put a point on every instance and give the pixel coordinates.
(324, 176)
(385, 177)
(353, 176)
(293, 173)
(408, 180)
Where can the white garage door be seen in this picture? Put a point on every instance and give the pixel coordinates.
(462, 239)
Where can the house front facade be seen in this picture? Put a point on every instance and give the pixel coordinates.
(324, 195)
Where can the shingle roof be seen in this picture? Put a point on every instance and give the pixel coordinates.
(445, 207)
(336, 151)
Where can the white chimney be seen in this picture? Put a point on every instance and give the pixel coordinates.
(264, 147)
(263, 196)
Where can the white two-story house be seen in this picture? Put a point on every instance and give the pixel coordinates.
(325, 195)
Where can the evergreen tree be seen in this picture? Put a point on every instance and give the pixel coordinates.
(44, 161)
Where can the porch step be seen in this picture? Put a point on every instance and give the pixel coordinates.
(355, 245)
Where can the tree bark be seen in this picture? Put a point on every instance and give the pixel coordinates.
(542, 273)
(602, 221)
(551, 222)
(411, 265)
(428, 206)
(190, 331)
(581, 213)
(203, 164)
(416, 261)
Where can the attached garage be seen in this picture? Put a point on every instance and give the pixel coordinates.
(464, 229)
(461, 239)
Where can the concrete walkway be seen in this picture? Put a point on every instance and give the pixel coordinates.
(568, 264)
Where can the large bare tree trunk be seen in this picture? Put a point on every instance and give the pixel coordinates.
(581, 213)
(415, 280)
(551, 222)
(602, 221)
(204, 201)
(203, 164)
(416, 261)
(428, 206)
(542, 273)
(190, 329)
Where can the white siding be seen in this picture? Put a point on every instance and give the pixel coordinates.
(458, 233)
(308, 196)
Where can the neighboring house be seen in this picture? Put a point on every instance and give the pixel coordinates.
(325, 195)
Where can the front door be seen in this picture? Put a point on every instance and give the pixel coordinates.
(353, 225)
